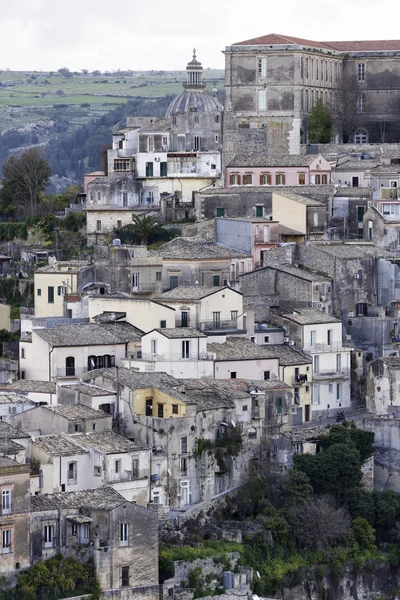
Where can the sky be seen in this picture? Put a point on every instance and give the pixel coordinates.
(160, 34)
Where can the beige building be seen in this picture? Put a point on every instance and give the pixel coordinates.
(206, 308)
(144, 314)
(67, 351)
(5, 317)
(299, 213)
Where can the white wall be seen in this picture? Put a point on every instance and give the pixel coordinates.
(247, 369)
(144, 314)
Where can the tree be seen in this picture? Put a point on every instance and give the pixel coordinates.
(299, 488)
(347, 433)
(65, 72)
(25, 178)
(317, 524)
(346, 114)
(145, 228)
(320, 124)
(363, 534)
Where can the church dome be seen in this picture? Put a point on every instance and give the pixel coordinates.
(194, 96)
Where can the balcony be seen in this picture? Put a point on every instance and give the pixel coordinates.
(114, 477)
(331, 374)
(317, 348)
(300, 379)
(222, 325)
(175, 357)
(70, 372)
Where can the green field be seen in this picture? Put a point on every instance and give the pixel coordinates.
(27, 98)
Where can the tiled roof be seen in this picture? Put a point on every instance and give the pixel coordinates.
(195, 248)
(267, 160)
(299, 198)
(104, 498)
(157, 125)
(7, 446)
(30, 385)
(358, 192)
(57, 444)
(306, 316)
(75, 412)
(88, 390)
(107, 442)
(283, 230)
(14, 399)
(289, 356)
(295, 271)
(357, 165)
(10, 432)
(109, 316)
(189, 293)
(5, 461)
(236, 348)
(386, 169)
(350, 250)
(344, 46)
(180, 332)
(91, 334)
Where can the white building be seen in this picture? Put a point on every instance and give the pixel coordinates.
(320, 335)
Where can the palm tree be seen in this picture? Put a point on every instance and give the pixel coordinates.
(145, 227)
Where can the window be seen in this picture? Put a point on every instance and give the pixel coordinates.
(173, 281)
(123, 535)
(74, 529)
(217, 118)
(6, 502)
(361, 72)
(313, 337)
(70, 366)
(244, 408)
(302, 178)
(234, 315)
(324, 179)
(119, 224)
(124, 576)
(196, 143)
(175, 410)
(220, 212)
(185, 349)
(330, 388)
(98, 196)
(259, 211)
(173, 120)
(120, 165)
(48, 536)
(280, 179)
(50, 295)
(262, 99)
(125, 199)
(98, 225)
(216, 280)
(361, 136)
(317, 179)
(117, 466)
(362, 309)
(93, 426)
(262, 67)
(135, 468)
(233, 374)
(266, 339)
(149, 169)
(163, 169)
(135, 281)
(329, 337)
(163, 324)
(39, 292)
(216, 139)
(360, 102)
(149, 407)
(22, 352)
(248, 179)
(315, 393)
(6, 541)
(158, 276)
(278, 406)
(216, 320)
(234, 179)
(183, 466)
(60, 290)
(267, 375)
(265, 179)
(150, 144)
(97, 471)
(72, 472)
(338, 391)
(338, 363)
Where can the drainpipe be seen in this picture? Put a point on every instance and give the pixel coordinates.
(50, 355)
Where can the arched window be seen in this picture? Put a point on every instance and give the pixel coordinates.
(70, 366)
(107, 361)
(317, 179)
(92, 363)
(361, 136)
(324, 179)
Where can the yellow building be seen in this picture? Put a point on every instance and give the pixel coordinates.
(53, 284)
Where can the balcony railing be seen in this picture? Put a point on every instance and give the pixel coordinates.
(337, 373)
(300, 379)
(216, 325)
(175, 357)
(316, 348)
(114, 477)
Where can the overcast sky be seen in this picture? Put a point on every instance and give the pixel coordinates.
(160, 34)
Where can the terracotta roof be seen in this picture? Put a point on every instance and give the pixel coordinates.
(276, 38)
(104, 498)
(266, 160)
(273, 39)
(90, 334)
(31, 385)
